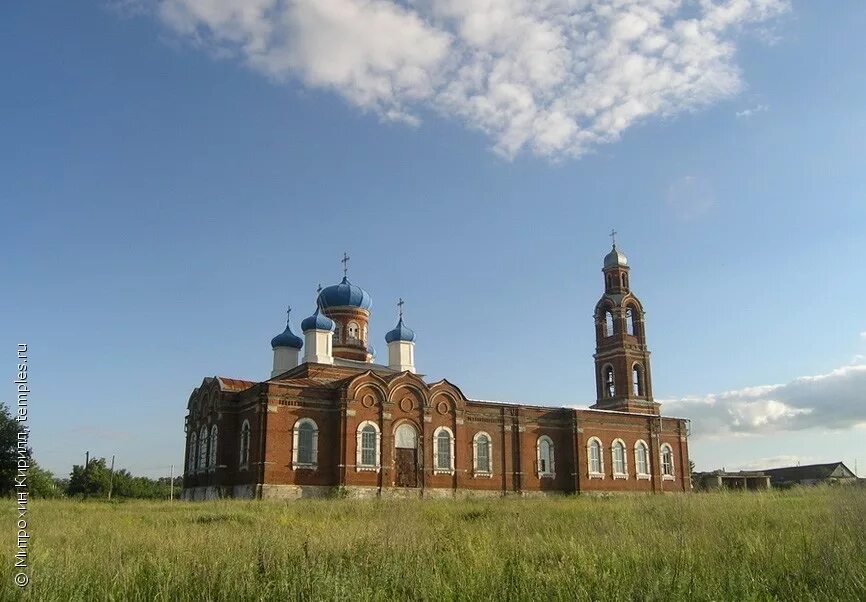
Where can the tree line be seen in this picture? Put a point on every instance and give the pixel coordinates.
(91, 480)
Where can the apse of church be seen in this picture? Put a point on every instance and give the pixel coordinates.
(331, 418)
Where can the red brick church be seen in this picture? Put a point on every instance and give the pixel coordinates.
(331, 421)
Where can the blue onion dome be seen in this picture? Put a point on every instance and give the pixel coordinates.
(401, 332)
(344, 294)
(317, 322)
(615, 259)
(287, 339)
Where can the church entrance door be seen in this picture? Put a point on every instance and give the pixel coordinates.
(406, 456)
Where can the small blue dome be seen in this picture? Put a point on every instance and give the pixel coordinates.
(344, 294)
(401, 332)
(287, 339)
(317, 322)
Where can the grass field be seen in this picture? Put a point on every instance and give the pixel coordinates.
(800, 544)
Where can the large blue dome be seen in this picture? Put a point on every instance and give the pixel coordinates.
(344, 294)
(287, 339)
(317, 322)
(401, 332)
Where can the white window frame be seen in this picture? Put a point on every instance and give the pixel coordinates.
(593, 474)
(642, 475)
(212, 452)
(666, 476)
(623, 474)
(550, 471)
(246, 437)
(296, 437)
(479, 472)
(438, 468)
(202, 449)
(359, 465)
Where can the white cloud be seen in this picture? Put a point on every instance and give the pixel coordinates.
(863, 335)
(836, 400)
(556, 77)
(746, 113)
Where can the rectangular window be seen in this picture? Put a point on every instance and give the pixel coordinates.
(368, 448)
(594, 460)
(305, 446)
(443, 453)
(483, 456)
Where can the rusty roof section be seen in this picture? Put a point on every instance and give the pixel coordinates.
(234, 385)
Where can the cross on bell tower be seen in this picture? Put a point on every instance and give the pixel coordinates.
(622, 359)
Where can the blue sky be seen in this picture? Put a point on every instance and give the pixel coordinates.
(171, 177)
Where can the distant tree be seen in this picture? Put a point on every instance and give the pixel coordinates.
(41, 482)
(89, 481)
(9, 429)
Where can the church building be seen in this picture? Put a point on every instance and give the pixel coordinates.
(331, 421)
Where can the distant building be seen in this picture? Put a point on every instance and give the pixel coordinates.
(811, 474)
(742, 480)
(329, 419)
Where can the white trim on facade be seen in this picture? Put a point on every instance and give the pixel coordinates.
(360, 466)
(618, 446)
(594, 472)
(667, 467)
(438, 468)
(644, 475)
(546, 467)
(297, 463)
(481, 472)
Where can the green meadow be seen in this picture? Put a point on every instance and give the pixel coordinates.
(802, 544)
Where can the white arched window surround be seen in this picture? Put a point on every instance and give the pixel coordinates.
(193, 451)
(212, 463)
(353, 332)
(202, 449)
(244, 456)
(482, 443)
(595, 458)
(667, 462)
(305, 444)
(368, 447)
(619, 458)
(545, 458)
(637, 379)
(443, 451)
(642, 465)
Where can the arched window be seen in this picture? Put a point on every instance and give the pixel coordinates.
(667, 462)
(483, 464)
(620, 467)
(637, 379)
(609, 281)
(245, 446)
(213, 447)
(608, 324)
(629, 321)
(305, 448)
(641, 459)
(368, 446)
(622, 280)
(595, 459)
(364, 334)
(609, 384)
(443, 441)
(338, 334)
(202, 448)
(353, 333)
(191, 454)
(406, 437)
(546, 460)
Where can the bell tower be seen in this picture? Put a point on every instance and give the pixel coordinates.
(622, 360)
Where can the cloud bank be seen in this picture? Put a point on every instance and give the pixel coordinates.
(836, 400)
(553, 77)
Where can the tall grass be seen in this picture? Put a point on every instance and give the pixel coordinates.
(807, 544)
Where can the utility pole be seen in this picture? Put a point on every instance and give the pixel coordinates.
(111, 478)
(171, 486)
